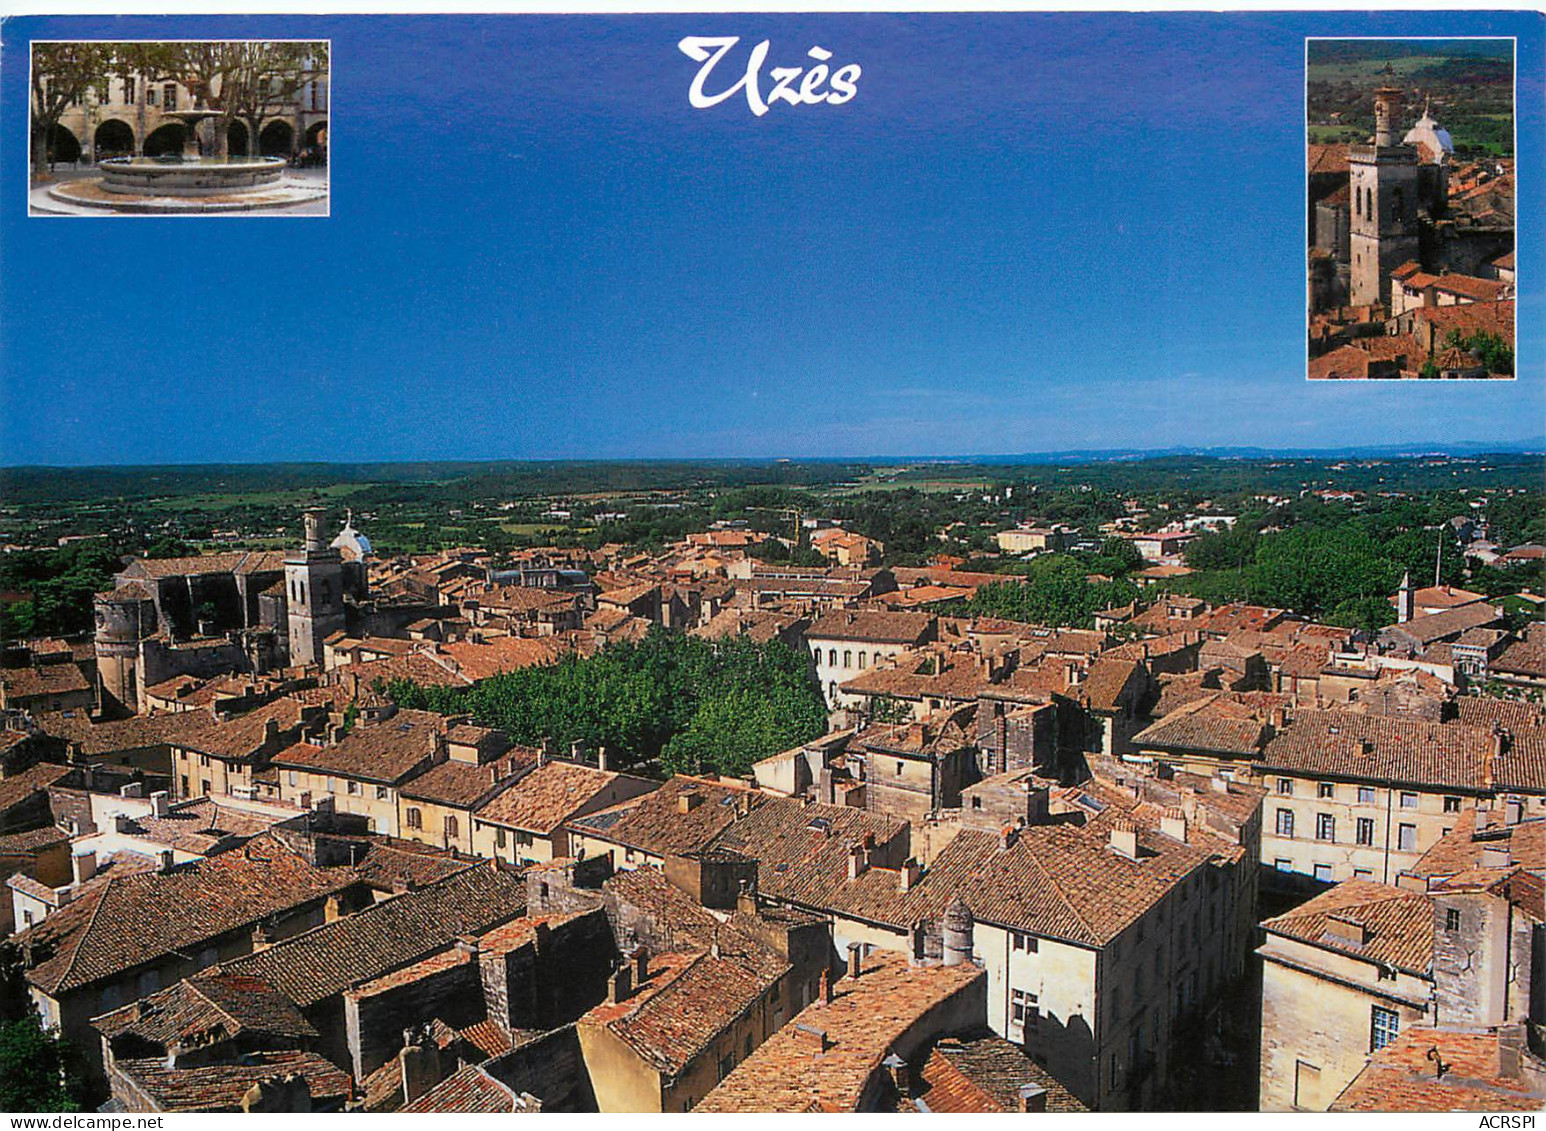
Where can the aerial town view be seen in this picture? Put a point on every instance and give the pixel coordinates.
(633, 614)
(1411, 197)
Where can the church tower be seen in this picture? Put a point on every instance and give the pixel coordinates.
(1383, 184)
(314, 593)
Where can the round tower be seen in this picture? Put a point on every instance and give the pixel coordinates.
(125, 617)
(958, 926)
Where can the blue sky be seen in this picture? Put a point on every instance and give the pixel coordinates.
(1026, 233)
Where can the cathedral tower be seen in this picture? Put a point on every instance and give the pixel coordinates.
(314, 593)
(1383, 183)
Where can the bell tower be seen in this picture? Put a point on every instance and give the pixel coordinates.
(314, 593)
(1383, 185)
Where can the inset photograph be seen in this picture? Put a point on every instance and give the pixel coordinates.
(1410, 176)
(187, 127)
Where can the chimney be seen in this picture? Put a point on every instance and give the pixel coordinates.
(641, 964)
(825, 993)
(1173, 825)
(1007, 835)
(577, 751)
(421, 1067)
(1496, 855)
(335, 732)
(1278, 716)
(908, 874)
(83, 865)
(855, 960)
(164, 860)
(1513, 811)
(270, 731)
(896, 1067)
(159, 804)
(619, 986)
(856, 861)
(544, 752)
(1124, 842)
(133, 789)
(688, 801)
(1033, 1097)
(1219, 785)
(541, 933)
(1344, 930)
(603, 761)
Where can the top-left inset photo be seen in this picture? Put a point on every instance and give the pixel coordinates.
(179, 127)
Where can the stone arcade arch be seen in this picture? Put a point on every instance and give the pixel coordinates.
(277, 139)
(163, 140)
(63, 146)
(113, 138)
(236, 139)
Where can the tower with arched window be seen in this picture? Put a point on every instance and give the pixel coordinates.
(314, 593)
(1383, 203)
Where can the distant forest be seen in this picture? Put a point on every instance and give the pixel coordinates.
(1470, 84)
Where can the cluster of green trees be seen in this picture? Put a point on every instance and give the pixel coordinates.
(1056, 591)
(39, 1069)
(693, 705)
(55, 588)
(1336, 564)
(1496, 353)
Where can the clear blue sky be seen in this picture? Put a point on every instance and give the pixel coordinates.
(1026, 233)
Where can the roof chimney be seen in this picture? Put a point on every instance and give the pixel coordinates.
(897, 1068)
(688, 801)
(1173, 825)
(1033, 1097)
(577, 751)
(855, 960)
(825, 993)
(619, 985)
(164, 860)
(641, 964)
(1007, 835)
(908, 874)
(1513, 811)
(856, 861)
(1124, 842)
(603, 760)
(83, 865)
(159, 805)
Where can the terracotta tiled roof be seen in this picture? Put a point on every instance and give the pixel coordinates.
(546, 797)
(237, 561)
(1328, 158)
(462, 785)
(44, 679)
(126, 922)
(655, 823)
(220, 1087)
(226, 1005)
(798, 1070)
(329, 959)
(1214, 723)
(1404, 1076)
(687, 1000)
(1058, 881)
(1378, 747)
(1470, 287)
(1397, 924)
(1462, 849)
(470, 1090)
(31, 842)
(984, 1073)
(19, 787)
(802, 850)
(386, 751)
(871, 626)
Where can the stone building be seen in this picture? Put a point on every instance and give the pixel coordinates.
(128, 116)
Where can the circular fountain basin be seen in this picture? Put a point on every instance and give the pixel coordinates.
(189, 176)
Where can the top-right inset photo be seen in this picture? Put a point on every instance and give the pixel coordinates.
(1410, 173)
